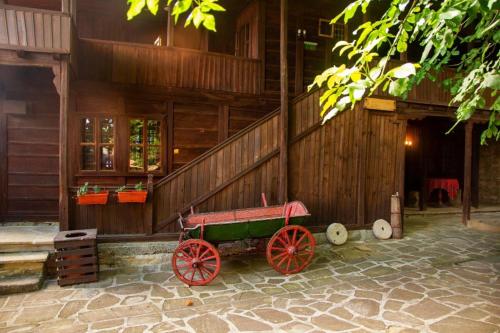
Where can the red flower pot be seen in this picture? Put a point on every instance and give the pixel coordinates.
(132, 196)
(93, 198)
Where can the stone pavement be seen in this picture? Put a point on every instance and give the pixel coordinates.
(441, 278)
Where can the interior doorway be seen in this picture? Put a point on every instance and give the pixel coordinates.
(434, 164)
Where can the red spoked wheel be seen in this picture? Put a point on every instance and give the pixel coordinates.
(196, 262)
(290, 249)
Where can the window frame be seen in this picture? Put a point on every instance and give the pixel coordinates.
(145, 145)
(96, 144)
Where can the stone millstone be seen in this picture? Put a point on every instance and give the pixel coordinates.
(336, 233)
(382, 229)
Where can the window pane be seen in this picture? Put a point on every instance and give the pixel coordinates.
(153, 132)
(136, 126)
(88, 158)
(107, 158)
(136, 162)
(154, 160)
(87, 130)
(106, 126)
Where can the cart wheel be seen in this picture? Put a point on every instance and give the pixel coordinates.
(196, 262)
(291, 249)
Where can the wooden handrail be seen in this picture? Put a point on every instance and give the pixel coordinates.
(30, 9)
(167, 48)
(218, 147)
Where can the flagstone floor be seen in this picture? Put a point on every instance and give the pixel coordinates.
(441, 278)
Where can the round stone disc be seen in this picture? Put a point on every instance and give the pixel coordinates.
(336, 233)
(382, 229)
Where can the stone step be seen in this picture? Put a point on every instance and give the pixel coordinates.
(22, 263)
(21, 283)
(27, 238)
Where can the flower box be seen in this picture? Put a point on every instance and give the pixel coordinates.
(132, 196)
(100, 198)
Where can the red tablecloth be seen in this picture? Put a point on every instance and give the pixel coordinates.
(449, 184)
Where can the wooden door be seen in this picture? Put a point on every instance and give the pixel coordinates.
(31, 171)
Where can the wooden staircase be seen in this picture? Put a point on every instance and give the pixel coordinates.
(231, 175)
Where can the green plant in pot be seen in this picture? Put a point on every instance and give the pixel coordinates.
(136, 195)
(96, 197)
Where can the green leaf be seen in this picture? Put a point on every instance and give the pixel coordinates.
(209, 22)
(135, 8)
(403, 71)
(450, 14)
(492, 81)
(350, 11)
(153, 6)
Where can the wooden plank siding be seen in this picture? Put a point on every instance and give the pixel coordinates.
(128, 63)
(35, 30)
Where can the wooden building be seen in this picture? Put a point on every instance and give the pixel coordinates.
(216, 119)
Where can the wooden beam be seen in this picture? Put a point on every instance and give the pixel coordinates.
(361, 144)
(63, 144)
(283, 162)
(466, 204)
(299, 50)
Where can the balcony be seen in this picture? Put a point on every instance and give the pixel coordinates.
(34, 30)
(147, 65)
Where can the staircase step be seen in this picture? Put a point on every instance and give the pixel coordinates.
(32, 238)
(21, 283)
(18, 263)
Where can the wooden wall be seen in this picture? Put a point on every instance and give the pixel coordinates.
(30, 135)
(191, 125)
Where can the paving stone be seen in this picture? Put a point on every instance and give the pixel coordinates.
(248, 324)
(151, 318)
(100, 325)
(129, 289)
(38, 314)
(296, 327)
(61, 326)
(157, 277)
(71, 308)
(404, 295)
(457, 324)
(402, 318)
(130, 300)
(341, 313)
(301, 310)
(135, 329)
(428, 309)
(103, 301)
(208, 323)
(363, 307)
(158, 291)
(273, 316)
(330, 323)
(371, 324)
(368, 294)
(393, 305)
(472, 313)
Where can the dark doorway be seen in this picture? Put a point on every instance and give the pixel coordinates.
(29, 136)
(434, 164)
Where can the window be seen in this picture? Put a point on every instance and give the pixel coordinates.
(144, 145)
(97, 144)
(243, 41)
(336, 31)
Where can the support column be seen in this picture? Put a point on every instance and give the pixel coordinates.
(466, 202)
(63, 143)
(3, 160)
(283, 163)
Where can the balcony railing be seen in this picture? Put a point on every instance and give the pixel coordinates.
(128, 63)
(35, 30)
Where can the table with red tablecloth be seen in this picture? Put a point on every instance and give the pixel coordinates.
(449, 184)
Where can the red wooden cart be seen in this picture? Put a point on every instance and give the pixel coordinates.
(196, 260)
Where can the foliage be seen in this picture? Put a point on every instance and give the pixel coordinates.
(462, 33)
(82, 190)
(200, 11)
(96, 189)
(138, 186)
(121, 188)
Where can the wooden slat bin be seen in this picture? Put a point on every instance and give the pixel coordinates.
(76, 256)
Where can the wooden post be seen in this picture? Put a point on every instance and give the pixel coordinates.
(3, 160)
(361, 143)
(148, 211)
(65, 6)
(223, 122)
(170, 27)
(63, 143)
(283, 163)
(467, 172)
(170, 136)
(299, 51)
